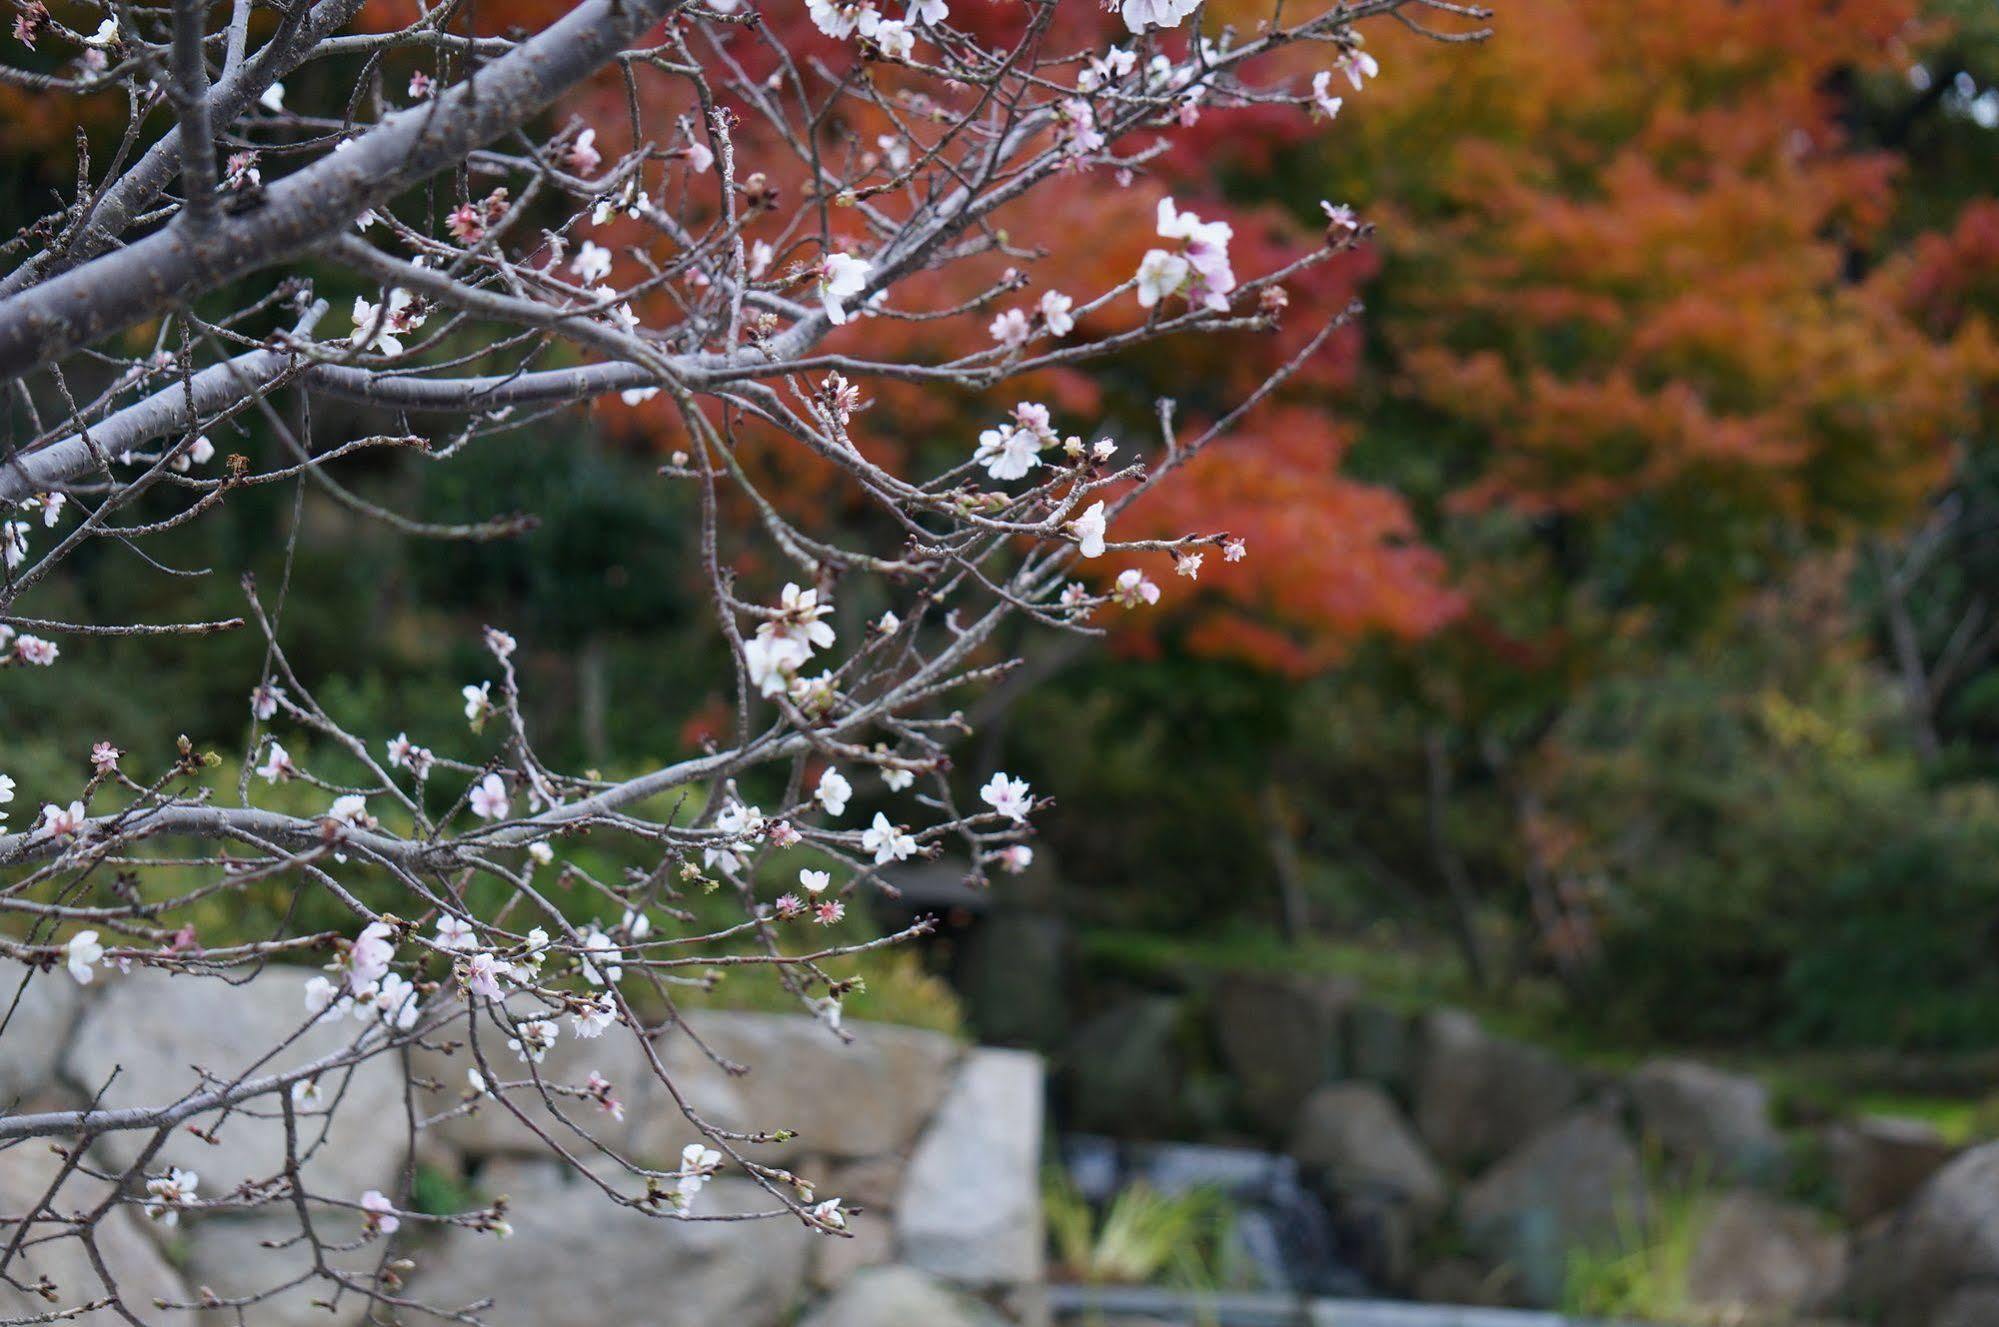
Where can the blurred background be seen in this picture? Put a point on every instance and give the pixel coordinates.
(1613, 677)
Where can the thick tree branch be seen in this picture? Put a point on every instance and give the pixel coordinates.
(312, 205)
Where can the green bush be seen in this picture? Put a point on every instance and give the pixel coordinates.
(1771, 867)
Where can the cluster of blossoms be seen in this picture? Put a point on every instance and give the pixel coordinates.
(365, 987)
(381, 326)
(894, 38)
(787, 639)
(1200, 270)
(1010, 449)
(1014, 328)
(168, 1194)
(23, 648)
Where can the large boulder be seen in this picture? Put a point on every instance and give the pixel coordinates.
(1977, 1307)
(1379, 1046)
(872, 1182)
(1878, 1163)
(575, 1260)
(150, 1037)
(863, 1098)
(486, 1128)
(138, 1272)
(37, 1011)
(1382, 1187)
(867, 1243)
(1757, 1258)
(1352, 1141)
(1479, 1096)
(970, 1207)
(1280, 1038)
(1122, 1070)
(260, 1254)
(1715, 1122)
(843, 1100)
(899, 1297)
(1905, 1272)
(1576, 1185)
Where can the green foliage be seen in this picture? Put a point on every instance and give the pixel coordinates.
(1172, 752)
(895, 987)
(1644, 1276)
(1143, 1237)
(1774, 867)
(438, 1192)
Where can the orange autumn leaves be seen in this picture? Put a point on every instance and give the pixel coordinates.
(1627, 254)
(1331, 559)
(1641, 267)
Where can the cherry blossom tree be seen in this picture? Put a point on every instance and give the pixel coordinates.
(729, 256)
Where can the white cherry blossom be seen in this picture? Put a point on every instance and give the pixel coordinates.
(1055, 315)
(888, 843)
(832, 791)
(169, 1193)
(1160, 274)
(488, 798)
(61, 822)
(841, 277)
(1134, 589)
(1008, 796)
(590, 1022)
(82, 955)
(533, 1038)
(592, 263)
(1323, 101)
(1008, 452)
(379, 1213)
(1089, 529)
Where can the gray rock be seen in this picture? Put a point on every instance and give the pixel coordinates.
(899, 1297)
(36, 1016)
(970, 1207)
(574, 1260)
(152, 1029)
(1576, 1185)
(864, 1098)
(1121, 1070)
(868, 1243)
(872, 1182)
(843, 1100)
(1878, 1163)
(1280, 1037)
(1351, 1140)
(227, 1254)
(1714, 1121)
(489, 1129)
(140, 1273)
(1759, 1257)
(1478, 1096)
(1905, 1271)
(1379, 1046)
(1969, 1308)
(1464, 1281)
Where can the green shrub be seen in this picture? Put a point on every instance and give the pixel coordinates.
(1644, 1277)
(1770, 866)
(1142, 1237)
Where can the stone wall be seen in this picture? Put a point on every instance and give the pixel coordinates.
(1465, 1167)
(937, 1144)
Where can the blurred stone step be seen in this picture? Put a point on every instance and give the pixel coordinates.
(1159, 1304)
